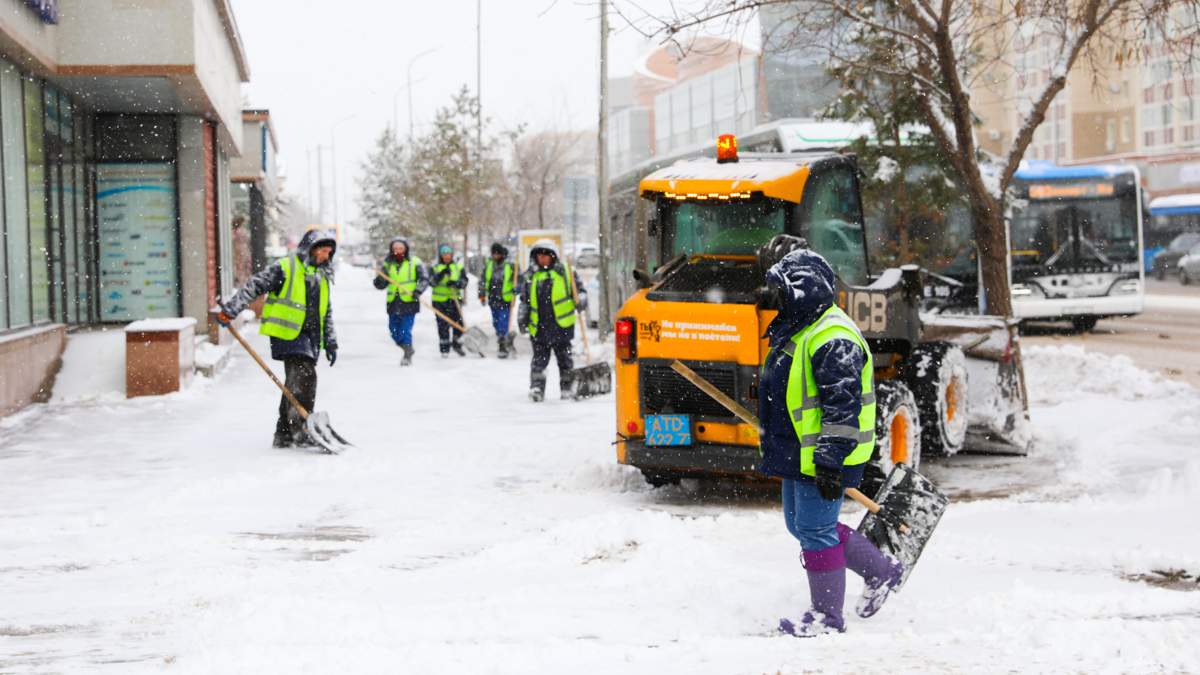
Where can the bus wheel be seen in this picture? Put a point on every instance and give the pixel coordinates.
(937, 374)
(1084, 324)
(897, 433)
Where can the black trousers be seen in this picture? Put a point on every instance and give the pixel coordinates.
(300, 377)
(541, 359)
(446, 332)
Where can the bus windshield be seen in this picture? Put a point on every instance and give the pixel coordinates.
(721, 228)
(1069, 233)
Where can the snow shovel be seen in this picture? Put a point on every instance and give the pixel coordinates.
(593, 379)
(910, 507)
(473, 340)
(316, 423)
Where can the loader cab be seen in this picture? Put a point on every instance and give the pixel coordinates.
(709, 238)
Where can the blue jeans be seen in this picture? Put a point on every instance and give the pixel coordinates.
(401, 328)
(810, 518)
(500, 320)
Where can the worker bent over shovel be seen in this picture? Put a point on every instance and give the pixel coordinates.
(817, 415)
(299, 321)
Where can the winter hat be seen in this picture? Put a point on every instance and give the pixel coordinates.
(499, 248)
(544, 246)
(444, 249)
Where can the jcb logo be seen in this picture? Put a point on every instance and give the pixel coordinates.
(869, 310)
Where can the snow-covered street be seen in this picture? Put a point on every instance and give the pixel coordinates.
(471, 531)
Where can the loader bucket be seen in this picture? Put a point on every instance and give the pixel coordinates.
(910, 499)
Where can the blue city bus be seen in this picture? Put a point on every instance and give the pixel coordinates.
(1172, 231)
(1076, 243)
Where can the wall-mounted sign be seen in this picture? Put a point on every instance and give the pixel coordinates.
(46, 9)
(139, 241)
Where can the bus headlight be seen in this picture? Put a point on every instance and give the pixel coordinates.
(1127, 287)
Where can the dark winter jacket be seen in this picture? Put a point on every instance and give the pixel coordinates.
(548, 332)
(270, 280)
(398, 306)
(807, 287)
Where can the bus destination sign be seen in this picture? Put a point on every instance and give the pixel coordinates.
(1070, 190)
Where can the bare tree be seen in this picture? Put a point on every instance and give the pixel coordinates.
(540, 163)
(944, 48)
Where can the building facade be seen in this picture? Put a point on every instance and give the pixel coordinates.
(117, 122)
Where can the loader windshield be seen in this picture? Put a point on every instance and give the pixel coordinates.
(721, 227)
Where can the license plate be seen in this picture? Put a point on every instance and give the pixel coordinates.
(665, 430)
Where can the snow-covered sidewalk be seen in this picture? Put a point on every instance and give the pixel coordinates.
(473, 531)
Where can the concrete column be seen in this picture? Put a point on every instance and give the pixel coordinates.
(193, 235)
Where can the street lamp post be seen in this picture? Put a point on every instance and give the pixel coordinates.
(408, 85)
(333, 162)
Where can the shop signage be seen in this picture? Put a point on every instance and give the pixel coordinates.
(138, 241)
(46, 9)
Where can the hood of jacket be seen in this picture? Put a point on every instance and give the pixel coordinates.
(314, 238)
(543, 246)
(806, 286)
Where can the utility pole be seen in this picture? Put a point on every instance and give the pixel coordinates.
(320, 183)
(309, 181)
(602, 174)
(408, 84)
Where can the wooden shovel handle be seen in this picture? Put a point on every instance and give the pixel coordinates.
(267, 369)
(749, 418)
(587, 353)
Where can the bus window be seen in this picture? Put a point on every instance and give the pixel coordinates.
(831, 220)
(721, 228)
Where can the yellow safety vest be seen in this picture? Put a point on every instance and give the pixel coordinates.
(403, 275)
(447, 289)
(803, 402)
(506, 290)
(560, 297)
(283, 312)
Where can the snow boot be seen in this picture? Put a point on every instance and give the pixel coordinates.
(408, 354)
(881, 572)
(537, 387)
(502, 347)
(827, 587)
(282, 439)
(458, 348)
(445, 355)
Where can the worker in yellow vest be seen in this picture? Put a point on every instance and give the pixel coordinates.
(299, 320)
(406, 281)
(449, 282)
(547, 314)
(817, 433)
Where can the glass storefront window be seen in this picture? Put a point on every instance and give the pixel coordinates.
(16, 217)
(35, 162)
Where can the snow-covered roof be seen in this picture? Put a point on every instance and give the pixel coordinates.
(1175, 204)
(1045, 170)
(156, 325)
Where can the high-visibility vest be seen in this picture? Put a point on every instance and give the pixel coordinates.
(283, 312)
(560, 297)
(804, 403)
(447, 288)
(403, 275)
(509, 286)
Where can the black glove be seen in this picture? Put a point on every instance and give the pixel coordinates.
(829, 482)
(331, 354)
(222, 315)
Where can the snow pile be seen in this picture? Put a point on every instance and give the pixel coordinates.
(209, 357)
(93, 367)
(1055, 374)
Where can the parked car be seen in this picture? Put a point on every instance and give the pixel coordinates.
(1167, 262)
(1189, 266)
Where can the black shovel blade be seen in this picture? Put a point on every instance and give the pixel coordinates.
(910, 499)
(475, 340)
(322, 432)
(593, 380)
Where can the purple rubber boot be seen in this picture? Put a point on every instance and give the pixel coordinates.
(881, 573)
(827, 586)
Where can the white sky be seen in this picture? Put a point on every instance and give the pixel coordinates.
(315, 63)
